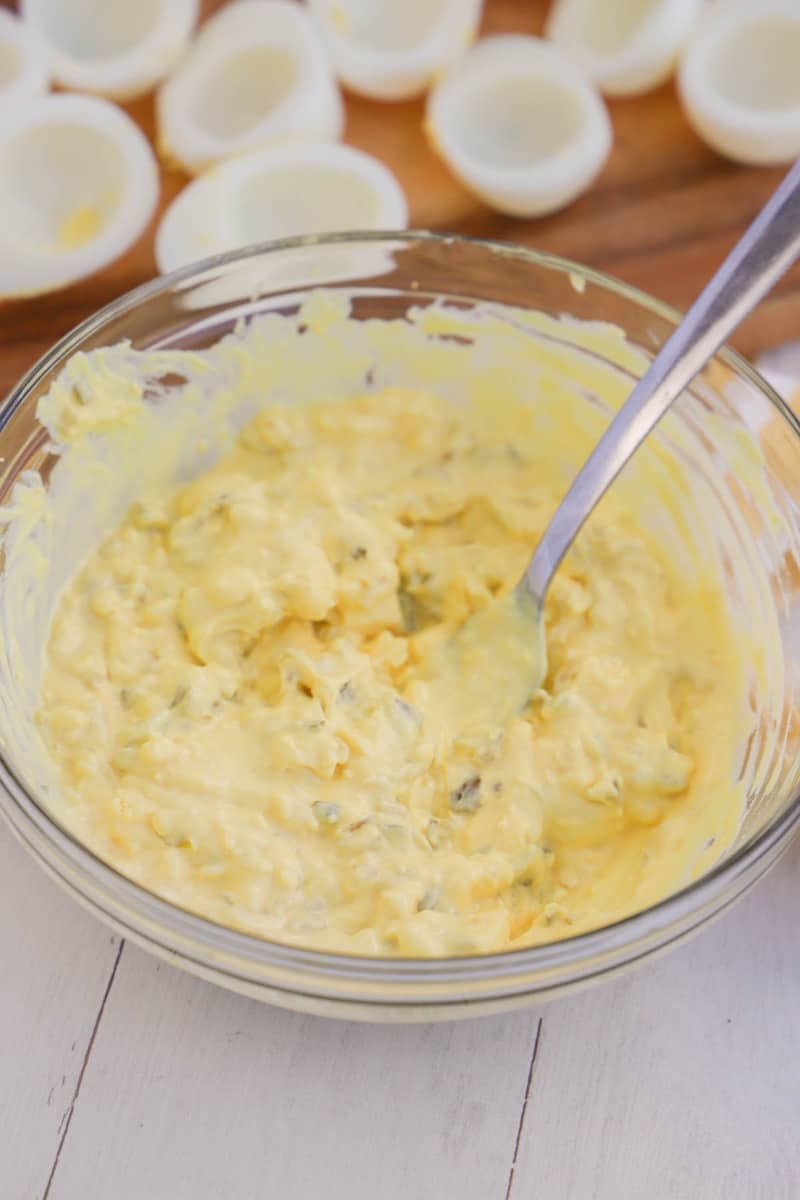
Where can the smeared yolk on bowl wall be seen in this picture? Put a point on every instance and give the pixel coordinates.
(236, 703)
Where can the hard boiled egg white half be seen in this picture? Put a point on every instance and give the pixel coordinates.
(394, 49)
(625, 46)
(279, 192)
(256, 73)
(78, 184)
(117, 48)
(739, 79)
(520, 125)
(23, 62)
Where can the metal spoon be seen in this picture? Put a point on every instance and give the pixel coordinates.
(502, 648)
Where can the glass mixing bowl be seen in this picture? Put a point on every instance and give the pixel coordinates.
(754, 512)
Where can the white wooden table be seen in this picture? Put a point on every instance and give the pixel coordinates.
(124, 1079)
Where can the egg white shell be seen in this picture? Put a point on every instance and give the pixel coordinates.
(23, 62)
(625, 46)
(304, 189)
(739, 79)
(278, 192)
(191, 228)
(520, 125)
(256, 73)
(118, 48)
(78, 184)
(391, 51)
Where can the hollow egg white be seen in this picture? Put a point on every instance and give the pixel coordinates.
(23, 62)
(278, 192)
(520, 125)
(78, 185)
(739, 80)
(118, 48)
(391, 51)
(625, 46)
(256, 73)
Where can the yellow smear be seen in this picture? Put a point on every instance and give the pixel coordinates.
(339, 18)
(255, 706)
(242, 587)
(81, 226)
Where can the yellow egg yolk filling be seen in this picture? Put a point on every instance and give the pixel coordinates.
(236, 701)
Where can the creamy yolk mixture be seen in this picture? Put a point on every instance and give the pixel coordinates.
(236, 699)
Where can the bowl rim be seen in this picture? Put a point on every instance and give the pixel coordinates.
(630, 931)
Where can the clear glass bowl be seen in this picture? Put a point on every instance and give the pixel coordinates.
(389, 274)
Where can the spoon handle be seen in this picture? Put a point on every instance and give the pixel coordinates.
(764, 254)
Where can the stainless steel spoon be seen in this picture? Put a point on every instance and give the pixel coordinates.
(517, 660)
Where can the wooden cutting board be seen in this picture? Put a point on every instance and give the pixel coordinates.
(662, 216)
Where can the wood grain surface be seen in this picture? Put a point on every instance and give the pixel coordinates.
(662, 216)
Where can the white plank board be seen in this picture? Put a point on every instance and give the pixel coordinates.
(56, 962)
(195, 1094)
(683, 1080)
